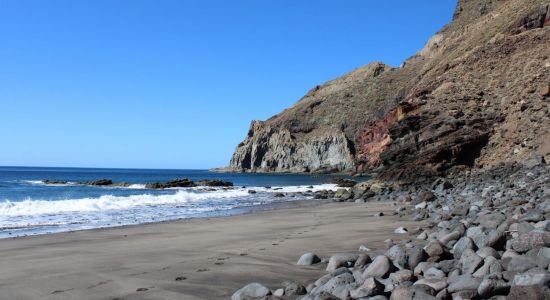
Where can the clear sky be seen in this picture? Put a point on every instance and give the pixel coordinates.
(175, 84)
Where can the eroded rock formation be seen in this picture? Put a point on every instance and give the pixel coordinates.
(475, 96)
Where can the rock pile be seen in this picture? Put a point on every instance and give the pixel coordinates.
(480, 236)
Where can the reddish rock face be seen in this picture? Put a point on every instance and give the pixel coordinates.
(374, 139)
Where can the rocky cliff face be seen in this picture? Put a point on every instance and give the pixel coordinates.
(478, 94)
(277, 150)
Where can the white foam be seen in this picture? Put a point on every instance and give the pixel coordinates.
(109, 202)
(33, 181)
(38, 216)
(136, 186)
(300, 188)
(40, 182)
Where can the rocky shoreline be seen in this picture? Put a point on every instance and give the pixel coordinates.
(480, 235)
(176, 183)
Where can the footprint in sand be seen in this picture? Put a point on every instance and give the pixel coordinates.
(61, 291)
(99, 284)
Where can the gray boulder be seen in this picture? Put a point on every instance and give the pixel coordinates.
(380, 267)
(434, 248)
(493, 286)
(437, 284)
(462, 244)
(463, 282)
(334, 283)
(370, 287)
(416, 256)
(529, 292)
(411, 293)
(341, 260)
(308, 259)
(535, 277)
(469, 261)
(251, 291)
(527, 241)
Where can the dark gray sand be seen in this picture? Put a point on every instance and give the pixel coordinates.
(189, 259)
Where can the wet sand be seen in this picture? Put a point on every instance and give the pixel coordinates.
(189, 259)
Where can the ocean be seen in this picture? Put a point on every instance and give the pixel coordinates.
(30, 207)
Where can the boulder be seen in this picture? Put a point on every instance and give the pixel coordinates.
(469, 261)
(463, 282)
(535, 277)
(370, 287)
(401, 230)
(529, 292)
(427, 196)
(397, 255)
(341, 260)
(434, 248)
(463, 244)
(416, 256)
(380, 267)
(401, 276)
(437, 284)
(251, 291)
(308, 259)
(411, 293)
(294, 289)
(334, 283)
(362, 260)
(527, 241)
(493, 286)
(521, 264)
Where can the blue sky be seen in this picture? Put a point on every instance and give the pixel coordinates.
(175, 84)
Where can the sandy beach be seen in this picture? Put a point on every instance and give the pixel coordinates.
(190, 259)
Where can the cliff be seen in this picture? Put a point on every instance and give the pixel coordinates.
(475, 96)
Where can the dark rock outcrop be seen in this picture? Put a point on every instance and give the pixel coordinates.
(53, 181)
(342, 182)
(185, 182)
(99, 182)
(214, 183)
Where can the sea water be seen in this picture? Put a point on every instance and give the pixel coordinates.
(30, 207)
